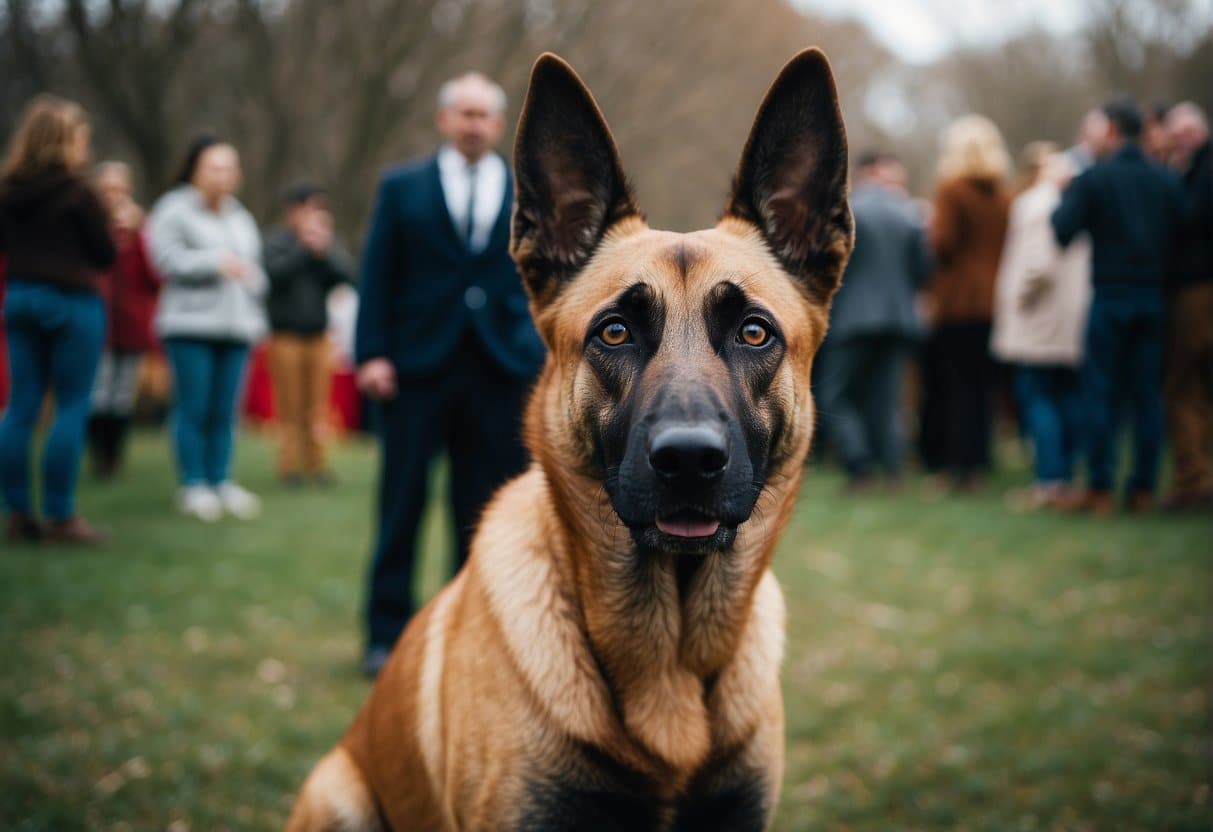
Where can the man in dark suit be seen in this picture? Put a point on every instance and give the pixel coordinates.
(444, 341)
(1131, 208)
(873, 325)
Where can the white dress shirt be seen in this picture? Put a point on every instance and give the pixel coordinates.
(490, 177)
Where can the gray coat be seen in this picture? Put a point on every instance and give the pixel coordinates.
(187, 243)
(889, 263)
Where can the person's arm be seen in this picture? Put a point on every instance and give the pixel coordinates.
(946, 232)
(1073, 215)
(338, 266)
(378, 263)
(919, 256)
(1040, 257)
(253, 277)
(172, 255)
(285, 256)
(149, 279)
(92, 224)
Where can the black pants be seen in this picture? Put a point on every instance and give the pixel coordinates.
(967, 380)
(860, 400)
(474, 411)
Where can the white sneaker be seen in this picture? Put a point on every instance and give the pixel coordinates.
(200, 502)
(237, 501)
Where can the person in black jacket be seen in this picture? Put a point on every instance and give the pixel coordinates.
(1188, 388)
(444, 342)
(304, 263)
(1131, 208)
(55, 234)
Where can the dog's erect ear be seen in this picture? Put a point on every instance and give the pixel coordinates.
(570, 187)
(792, 180)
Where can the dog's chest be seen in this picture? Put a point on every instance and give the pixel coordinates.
(599, 794)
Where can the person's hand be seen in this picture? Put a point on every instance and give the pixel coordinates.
(316, 232)
(127, 216)
(235, 268)
(377, 379)
(1058, 170)
(1036, 288)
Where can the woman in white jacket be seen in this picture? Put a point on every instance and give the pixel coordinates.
(208, 248)
(1040, 313)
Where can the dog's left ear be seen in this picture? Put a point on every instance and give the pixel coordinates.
(570, 188)
(792, 180)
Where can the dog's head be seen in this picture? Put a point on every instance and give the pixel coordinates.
(678, 374)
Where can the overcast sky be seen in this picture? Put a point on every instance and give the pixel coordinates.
(920, 31)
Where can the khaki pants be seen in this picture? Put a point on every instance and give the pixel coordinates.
(301, 368)
(1188, 389)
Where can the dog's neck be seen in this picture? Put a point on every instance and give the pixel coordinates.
(661, 626)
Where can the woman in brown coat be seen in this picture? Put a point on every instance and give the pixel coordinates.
(972, 205)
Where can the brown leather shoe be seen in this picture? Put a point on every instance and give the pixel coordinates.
(1097, 503)
(24, 529)
(75, 531)
(1178, 502)
(1101, 503)
(1140, 503)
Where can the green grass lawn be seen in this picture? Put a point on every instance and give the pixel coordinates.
(950, 664)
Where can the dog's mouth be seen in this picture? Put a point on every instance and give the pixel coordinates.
(688, 525)
(685, 531)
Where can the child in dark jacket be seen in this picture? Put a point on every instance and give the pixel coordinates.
(304, 263)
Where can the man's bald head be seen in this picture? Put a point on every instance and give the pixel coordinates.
(471, 114)
(476, 87)
(1093, 129)
(1188, 126)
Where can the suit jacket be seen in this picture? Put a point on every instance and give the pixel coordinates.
(421, 289)
(888, 264)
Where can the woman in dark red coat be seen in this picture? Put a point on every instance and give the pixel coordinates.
(131, 289)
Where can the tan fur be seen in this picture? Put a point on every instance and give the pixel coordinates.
(542, 644)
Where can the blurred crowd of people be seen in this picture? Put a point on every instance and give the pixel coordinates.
(92, 287)
(1081, 287)
(443, 341)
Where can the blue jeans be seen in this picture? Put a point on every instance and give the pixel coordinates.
(207, 379)
(1123, 368)
(54, 342)
(1050, 404)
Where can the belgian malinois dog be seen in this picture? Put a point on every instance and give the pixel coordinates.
(609, 656)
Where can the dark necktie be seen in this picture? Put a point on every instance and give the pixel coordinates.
(470, 214)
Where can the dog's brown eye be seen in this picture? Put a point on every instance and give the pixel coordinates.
(615, 334)
(754, 333)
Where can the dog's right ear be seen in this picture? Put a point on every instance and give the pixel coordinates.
(569, 183)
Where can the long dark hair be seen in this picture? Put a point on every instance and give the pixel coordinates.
(197, 146)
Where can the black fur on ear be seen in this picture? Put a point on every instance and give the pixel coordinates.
(792, 181)
(570, 188)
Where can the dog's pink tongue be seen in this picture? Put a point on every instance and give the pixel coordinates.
(688, 528)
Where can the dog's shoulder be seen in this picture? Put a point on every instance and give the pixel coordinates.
(518, 565)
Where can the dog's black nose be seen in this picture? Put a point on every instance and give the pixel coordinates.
(694, 454)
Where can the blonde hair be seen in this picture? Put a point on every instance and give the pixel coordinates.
(973, 148)
(45, 137)
(1032, 161)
